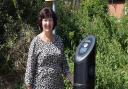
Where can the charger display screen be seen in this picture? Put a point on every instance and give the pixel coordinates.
(83, 48)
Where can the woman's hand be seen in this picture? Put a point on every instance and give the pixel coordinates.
(70, 77)
(29, 87)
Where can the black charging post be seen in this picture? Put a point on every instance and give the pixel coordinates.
(84, 64)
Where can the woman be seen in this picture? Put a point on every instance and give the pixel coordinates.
(46, 64)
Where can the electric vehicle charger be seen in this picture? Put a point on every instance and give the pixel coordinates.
(84, 64)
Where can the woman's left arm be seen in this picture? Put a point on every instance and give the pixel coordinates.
(65, 68)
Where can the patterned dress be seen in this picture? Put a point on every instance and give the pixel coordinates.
(46, 64)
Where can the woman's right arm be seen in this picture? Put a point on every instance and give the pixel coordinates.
(30, 68)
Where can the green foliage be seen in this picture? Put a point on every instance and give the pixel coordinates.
(111, 35)
(15, 35)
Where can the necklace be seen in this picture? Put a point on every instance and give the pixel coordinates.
(47, 39)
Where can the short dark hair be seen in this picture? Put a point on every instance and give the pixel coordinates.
(46, 12)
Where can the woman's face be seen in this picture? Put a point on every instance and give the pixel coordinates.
(47, 24)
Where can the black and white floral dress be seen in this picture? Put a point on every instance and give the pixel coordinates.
(46, 64)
